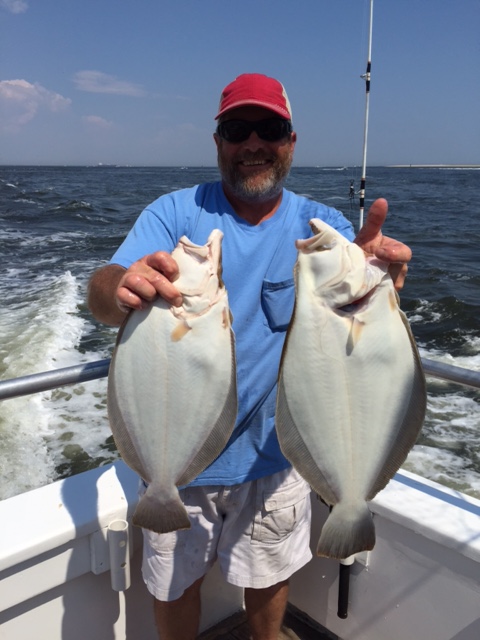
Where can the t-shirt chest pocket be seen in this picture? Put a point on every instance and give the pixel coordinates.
(278, 300)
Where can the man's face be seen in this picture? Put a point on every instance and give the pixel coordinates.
(254, 170)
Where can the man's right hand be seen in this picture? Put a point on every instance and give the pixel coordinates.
(113, 290)
(150, 276)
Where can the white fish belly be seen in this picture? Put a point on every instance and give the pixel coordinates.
(172, 392)
(351, 391)
(348, 402)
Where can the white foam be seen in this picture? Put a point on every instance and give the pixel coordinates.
(444, 467)
(451, 426)
(470, 359)
(424, 312)
(34, 429)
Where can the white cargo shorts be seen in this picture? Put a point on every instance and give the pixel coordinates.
(259, 532)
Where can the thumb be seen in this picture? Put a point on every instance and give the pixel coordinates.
(373, 224)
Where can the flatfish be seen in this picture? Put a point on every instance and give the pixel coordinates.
(351, 390)
(172, 398)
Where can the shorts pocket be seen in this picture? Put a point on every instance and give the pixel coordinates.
(279, 511)
(277, 301)
(164, 544)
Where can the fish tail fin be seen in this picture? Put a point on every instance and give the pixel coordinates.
(349, 529)
(161, 513)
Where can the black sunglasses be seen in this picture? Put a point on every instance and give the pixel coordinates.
(271, 129)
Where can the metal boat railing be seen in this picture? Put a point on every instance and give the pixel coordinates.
(47, 380)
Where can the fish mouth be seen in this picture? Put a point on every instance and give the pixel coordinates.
(321, 241)
(315, 227)
(207, 256)
(324, 238)
(211, 250)
(356, 305)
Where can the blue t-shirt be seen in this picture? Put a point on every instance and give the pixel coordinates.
(257, 262)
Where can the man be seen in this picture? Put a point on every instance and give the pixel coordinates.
(249, 509)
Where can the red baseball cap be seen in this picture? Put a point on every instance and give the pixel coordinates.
(258, 90)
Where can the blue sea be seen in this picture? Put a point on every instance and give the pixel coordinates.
(58, 224)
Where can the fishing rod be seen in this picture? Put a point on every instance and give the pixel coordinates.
(366, 76)
(345, 565)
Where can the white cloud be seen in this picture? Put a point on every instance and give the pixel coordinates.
(14, 6)
(20, 100)
(97, 122)
(98, 82)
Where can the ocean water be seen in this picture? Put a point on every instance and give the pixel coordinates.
(58, 224)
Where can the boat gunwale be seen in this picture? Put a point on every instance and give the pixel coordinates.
(48, 380)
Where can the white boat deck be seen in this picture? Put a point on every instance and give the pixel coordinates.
(422, 580)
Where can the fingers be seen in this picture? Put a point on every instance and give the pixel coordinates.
(398, 273)
(146, 279)
(372, 228)
(390, 250)
(163, 263)
(135, 291)
(373, 242)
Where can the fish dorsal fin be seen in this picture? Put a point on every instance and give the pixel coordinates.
(412, 421)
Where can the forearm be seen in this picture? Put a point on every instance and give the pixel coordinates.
(102, 294)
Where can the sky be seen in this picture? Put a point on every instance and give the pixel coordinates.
(137, 82)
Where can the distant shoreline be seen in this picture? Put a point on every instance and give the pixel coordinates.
(433, 166)
(214, 166)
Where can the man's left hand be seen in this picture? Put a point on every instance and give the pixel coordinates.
(372, 241)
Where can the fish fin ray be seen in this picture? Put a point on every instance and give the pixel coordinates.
(410, 427)
(159, 513)
(220, 433)
(294, 449)
(120, 431)
(349, 529)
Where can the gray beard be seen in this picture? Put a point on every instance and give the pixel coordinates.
(251, 189)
